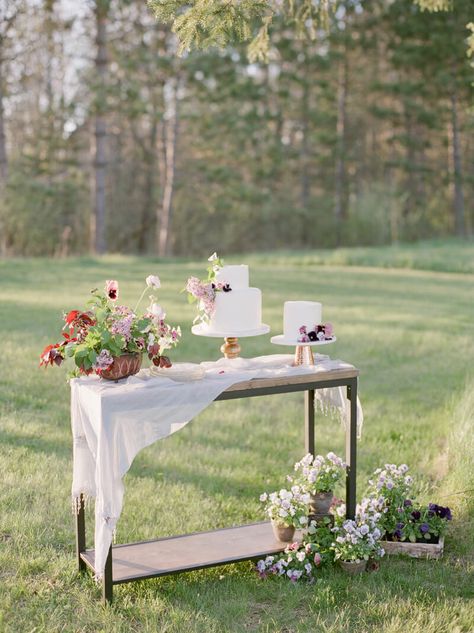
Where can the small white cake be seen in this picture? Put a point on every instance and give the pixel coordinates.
(300, 313)
(240, 309)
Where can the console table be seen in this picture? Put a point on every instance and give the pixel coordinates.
(163, 556)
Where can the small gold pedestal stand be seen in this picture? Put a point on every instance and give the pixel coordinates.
(303, 355)
(231, 347)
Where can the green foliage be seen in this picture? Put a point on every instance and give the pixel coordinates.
(204, 23)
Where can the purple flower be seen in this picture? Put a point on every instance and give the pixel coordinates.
(416, 514)
(397, 534)
(400, 526)
(407, 503)
(424, 527)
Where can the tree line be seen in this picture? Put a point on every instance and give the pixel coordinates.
(360, 133)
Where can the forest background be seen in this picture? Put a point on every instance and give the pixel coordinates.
(111, 142)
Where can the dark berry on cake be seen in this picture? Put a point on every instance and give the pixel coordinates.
(312, 336)
(226, 288)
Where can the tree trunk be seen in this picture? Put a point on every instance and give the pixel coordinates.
(459, 219)
(98, 219)
(340, 202)
(305, 180)
(169, 142)
(3, 162)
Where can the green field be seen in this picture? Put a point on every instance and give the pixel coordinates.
(411, 334)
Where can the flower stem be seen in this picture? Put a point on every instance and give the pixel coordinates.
(141, 297)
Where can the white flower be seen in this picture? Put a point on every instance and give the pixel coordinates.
(283, 513)
(157, 311)
(263, 497)
(308, 568)
(153, 281)
(213, 257)
(364, 529)
(301, 556)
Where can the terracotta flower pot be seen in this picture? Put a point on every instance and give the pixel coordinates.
(319, 504)
(123, 366)
(353, 567)
(283, 533)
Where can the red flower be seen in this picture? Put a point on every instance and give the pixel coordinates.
(52, 354)
(79, 320)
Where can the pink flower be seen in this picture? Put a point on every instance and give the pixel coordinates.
(112, 289)
(317, 559)
(328, 330)
(302, 329)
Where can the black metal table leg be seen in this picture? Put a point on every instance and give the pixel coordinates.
(107, 580)
(309, 421)
(351, 450)
(80, 534)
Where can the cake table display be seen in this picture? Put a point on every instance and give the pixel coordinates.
(227, 307)
(303, 329)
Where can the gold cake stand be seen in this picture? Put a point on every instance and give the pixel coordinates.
(303, 351)
(231, 347)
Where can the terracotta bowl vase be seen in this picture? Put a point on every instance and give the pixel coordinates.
(123, 366)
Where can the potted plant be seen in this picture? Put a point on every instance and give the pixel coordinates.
(318, 477)
(287, 510)
(390, 485)
(356, 542)
(109, 340)
(418, 530)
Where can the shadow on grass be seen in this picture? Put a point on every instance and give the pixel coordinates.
(36, 444)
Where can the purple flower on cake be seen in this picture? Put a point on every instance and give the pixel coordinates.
(329, 330)
(204, 292)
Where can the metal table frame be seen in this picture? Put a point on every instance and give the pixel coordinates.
(256, 387)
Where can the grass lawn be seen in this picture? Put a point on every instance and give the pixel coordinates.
(410, 333)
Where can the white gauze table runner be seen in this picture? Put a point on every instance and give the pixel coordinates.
(112, 422)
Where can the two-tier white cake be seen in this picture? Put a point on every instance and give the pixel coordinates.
(237, 311)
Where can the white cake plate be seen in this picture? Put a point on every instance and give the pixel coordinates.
(231, 347)
(303, 351)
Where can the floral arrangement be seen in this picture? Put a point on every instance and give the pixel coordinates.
(417, 523)
(403, 519)
(321, 332)
(287, 507)
(318, 474)
(299, 561)
(92, 338)
(384, 512)
(358, 539)
(203, 292)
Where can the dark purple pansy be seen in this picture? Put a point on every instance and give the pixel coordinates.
(400, 526)
(407, 503)
(312, 336)
(416, 514)
(397, 534)
(424, 527)
(449, 515)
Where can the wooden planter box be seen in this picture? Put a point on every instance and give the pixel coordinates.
(415, 550)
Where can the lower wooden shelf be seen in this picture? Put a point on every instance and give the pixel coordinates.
(175, 554)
